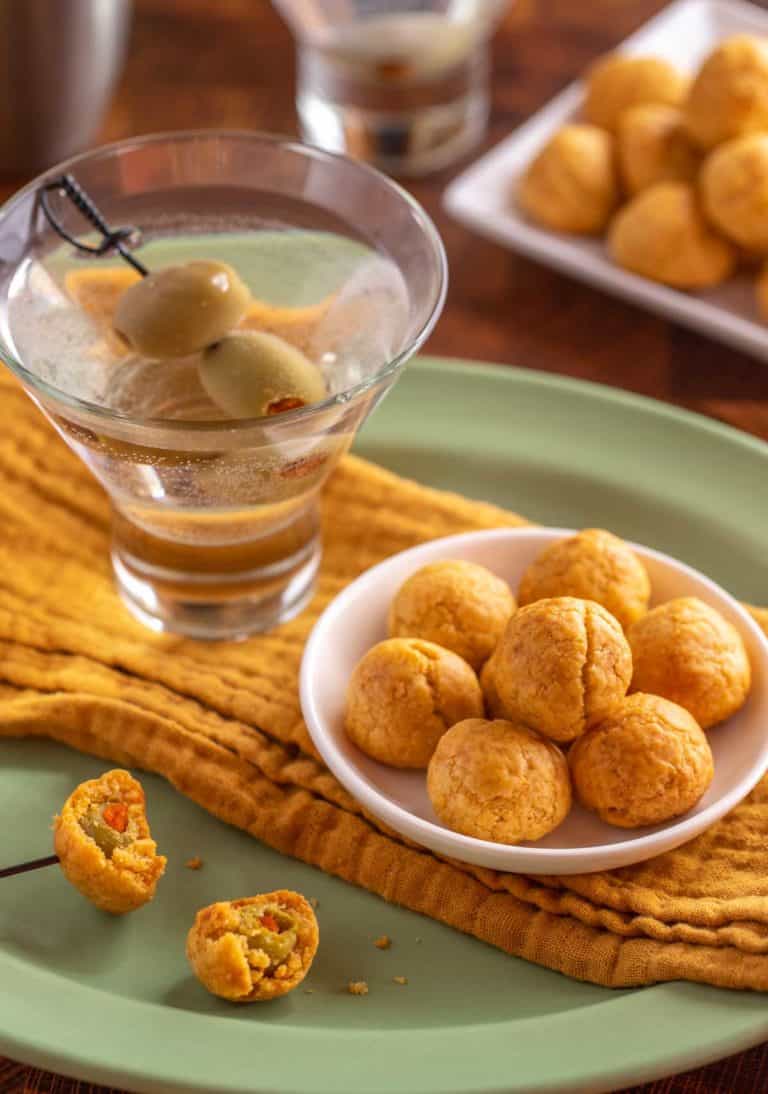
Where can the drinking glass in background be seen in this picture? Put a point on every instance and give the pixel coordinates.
(59, 63)
(403, 84)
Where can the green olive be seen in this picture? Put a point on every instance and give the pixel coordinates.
(103, 834)
(181, 309)
(252, 374)
(277, 945)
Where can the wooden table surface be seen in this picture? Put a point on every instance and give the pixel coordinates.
(229, 63)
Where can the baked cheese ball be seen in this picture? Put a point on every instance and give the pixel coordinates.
(562, 665)
(498, 781)
(592, 565)
(254, 949)
(402, 697)
(571, 184)
(661, 234)
(653, 146)
(734, 191)
(687, 652)
(616, 82)
(104, 844)
(729, 96)
(459, 605)
(646, 763)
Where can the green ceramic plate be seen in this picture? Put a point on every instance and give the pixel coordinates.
(113, 1001)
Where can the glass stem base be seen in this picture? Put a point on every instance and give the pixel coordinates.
(211, 606)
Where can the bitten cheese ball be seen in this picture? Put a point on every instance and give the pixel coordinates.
(104, 844)
(458, 604)
(645, 764)
(729, 96)
(687, 652)
(734, 191)
(592, 565)
(571, 185)
(615, 83)
(653, 146)
(498, 781)
(402, 697)
(253, 949)
(562, 665)
(662, 235)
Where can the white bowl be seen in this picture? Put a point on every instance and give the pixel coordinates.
(356, 620)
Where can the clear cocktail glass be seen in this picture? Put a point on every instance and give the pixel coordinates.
(216, 527)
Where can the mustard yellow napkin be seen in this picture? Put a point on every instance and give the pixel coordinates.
(223, 724)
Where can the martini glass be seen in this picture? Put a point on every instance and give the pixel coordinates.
(215, 518)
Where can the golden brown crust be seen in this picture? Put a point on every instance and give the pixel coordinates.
(729, 96)
(687, 652)
(592, 565)
(571, 184)
(221, 955)
(562, 665)
(616, 83)
(496, 780)
(661, 234)
(734, 191)
(128, 878)
(402, 697)
(457, 604)
(647, 763)
(653, 146)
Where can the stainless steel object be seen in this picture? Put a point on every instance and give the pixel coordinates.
(59, 62)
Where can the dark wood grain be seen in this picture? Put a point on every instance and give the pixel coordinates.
(198, 63)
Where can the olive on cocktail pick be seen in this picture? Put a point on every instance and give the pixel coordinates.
(179, 310)
(252, 374)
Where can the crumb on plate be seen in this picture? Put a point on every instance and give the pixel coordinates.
(195, 863)
(383, 942)
(357, 987)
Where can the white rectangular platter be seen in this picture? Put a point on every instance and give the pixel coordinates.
(483, 196)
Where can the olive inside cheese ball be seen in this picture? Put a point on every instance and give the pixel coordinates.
(685, 651)
(562, 665)
(252, 374)
(734, 191)
(616, 82)
(729, 97)
(571, 184)
(592, 565)
(460, 605)
(653, 146)
(663, 235)
(104, 844)
(645, 764)
(254, 949)
(498, 781)
(179, 310)
(402, 697)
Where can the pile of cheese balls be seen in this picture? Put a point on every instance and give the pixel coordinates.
(674, 170)
(194, 309)
(581, 688)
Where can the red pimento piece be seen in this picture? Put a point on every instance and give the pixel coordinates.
(116, 816)
(269, 921)
(279, 406)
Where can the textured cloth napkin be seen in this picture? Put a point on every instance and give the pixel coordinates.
(222, 723)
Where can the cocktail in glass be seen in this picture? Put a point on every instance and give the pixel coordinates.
(215, 530)
(403, 84)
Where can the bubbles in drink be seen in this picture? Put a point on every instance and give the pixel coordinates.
(332, 298)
